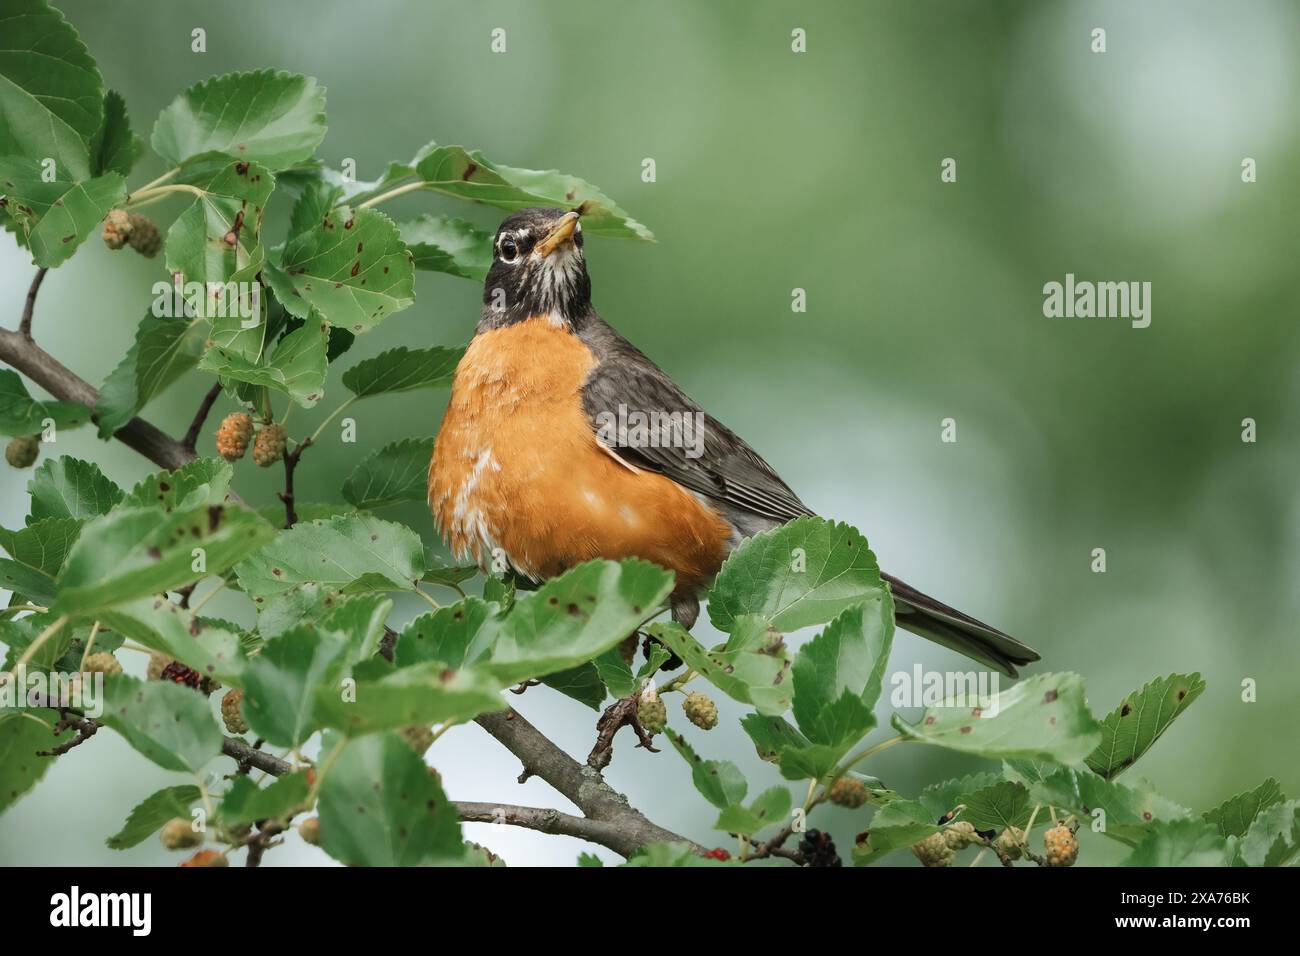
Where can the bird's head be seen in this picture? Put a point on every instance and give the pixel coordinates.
(537, 270)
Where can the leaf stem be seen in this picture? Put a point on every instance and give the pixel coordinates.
(430, 601)
(142, 196)
(392, 194)
(90, 643)
(329, 418)
(15, 608)
(873, 749)
(35, 645)
(159, 181)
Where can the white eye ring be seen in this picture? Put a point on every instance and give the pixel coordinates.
(513, 250)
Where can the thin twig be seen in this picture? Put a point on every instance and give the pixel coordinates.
(191, 440)
(25, 324)
(287, 496)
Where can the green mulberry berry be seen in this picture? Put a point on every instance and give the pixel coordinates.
(102, 663)
(23, 451)
(934, 851)
(1009, 842)
(701, 711)
(652, 715)
(178, 834)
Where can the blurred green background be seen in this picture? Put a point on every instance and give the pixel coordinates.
(820, 171)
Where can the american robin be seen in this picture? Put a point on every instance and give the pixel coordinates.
(543, 460)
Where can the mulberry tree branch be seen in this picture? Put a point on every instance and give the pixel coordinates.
(22, 354)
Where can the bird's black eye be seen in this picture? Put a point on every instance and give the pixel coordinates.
(509, 250)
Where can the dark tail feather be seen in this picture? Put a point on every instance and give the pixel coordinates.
(923, 615)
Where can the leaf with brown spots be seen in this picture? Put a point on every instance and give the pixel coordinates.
(170, 724)
(572, 618)
(379, 806)
(111, 562)
(321, 269)
(20, 739)
(1136, 724)
(1019, 722)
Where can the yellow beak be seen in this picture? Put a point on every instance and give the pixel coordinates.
(562, 233)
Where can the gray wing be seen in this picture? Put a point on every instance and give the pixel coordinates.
(712, 461)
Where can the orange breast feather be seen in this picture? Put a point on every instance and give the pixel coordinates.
(517, 472)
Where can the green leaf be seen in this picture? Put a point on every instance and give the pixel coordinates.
(771, 735)
(379, 806)
(445, 244)
(203, 481)
(115, 148)
(168, 723)
(1004, 804)
(217, 238)
(943, 798)
(1043, 717)
(245, 802)
(352, 267)
(287, 684)
(898, 824)
(468, 175)
(361, 619)
(837, 675)
(356, 552)
(769, 807)
(422, 694)
(37, 554)
(150, 814)
(800, 574)
(573, 618)
(67, 487)
(1131, 729)
(447, 577)
(719, 781)
(56, 215)
(445, 635)
(582, 683)
(51, 93)
(308, 511)
(1128, 810)
(614, 673)
(296, 368)
(589, 860)
(19, 634)
(164, 350)
(1235, 815)
(210, 648)
(269, 117)
(1274, 837)
(500, 591)
(22, 736)
(1179, 843)
(751, 667)
(397, 472)
(20, 414)
(138, 552)
(402, 370)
